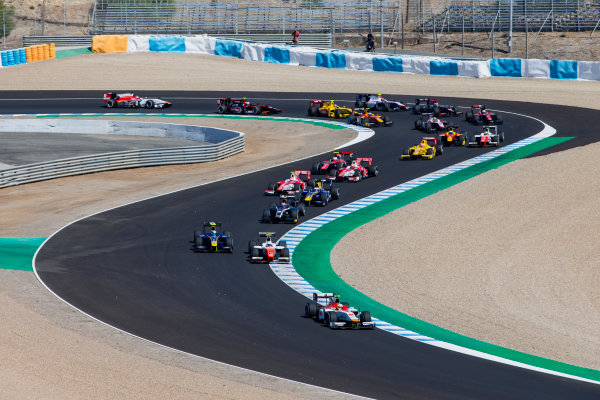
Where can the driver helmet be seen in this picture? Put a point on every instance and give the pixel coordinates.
(334, 158)
(213, 229)
(292, 176)
(354, 163)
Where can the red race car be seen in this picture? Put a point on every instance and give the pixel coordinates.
(296, 183)
(227, 105)
(358, 170)
(480, 115)
(339, 160)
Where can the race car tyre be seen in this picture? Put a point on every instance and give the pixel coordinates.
(303, 177)
(255, 252)
(229, 243)
(271, 186)
(365, 316)
(417, 109)
(110, 103)
(373, 171)
(149, 104)
(352, 119)
(499, 120)
(227, 233)
(468, 116)
(429, 151)
(315, 111)
(358, 175)
(312, 183)
(301, 210)
(406, 152)
(251, 245)
(332, 316)
(282, 243)
(428, 127)
(255, 110)
(294, 214)
(315, 168)
(197, 234)
(439, 150)
(333, 172)
(266, 215)
(285, 253)
(386, 120)
(382, 107)
(310, 310)
(272, 205)
(296, 187)
(221, 109)
(335, 193)
(310, 112)
(436, 110)
(417, 124)
(337, 114)
(501, 136)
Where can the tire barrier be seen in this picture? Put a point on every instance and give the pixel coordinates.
(29, 54)
(312, 57)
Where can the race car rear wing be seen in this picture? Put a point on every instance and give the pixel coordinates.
(267, 234)
(317, 296)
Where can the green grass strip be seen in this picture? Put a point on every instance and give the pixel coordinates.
(18, 253)
(311, 259)
(305, 121)
(72, 52)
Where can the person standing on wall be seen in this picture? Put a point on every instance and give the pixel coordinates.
(295, 36)
(370, 43)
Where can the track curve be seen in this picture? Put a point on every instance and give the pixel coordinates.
(132, 268)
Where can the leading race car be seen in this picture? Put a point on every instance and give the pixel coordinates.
(428, 122)
(453, 136)
(376, 102)
(227, 105)
(426, 149)
(321, 194)
(326, 308)
(268, 251)
(362, 117)
(297, 182)
(209, 239)
(322, 108)
(287, 211)
(488, 137)
(339, 160)
(131, 100)
(479, 115)
(359, 169)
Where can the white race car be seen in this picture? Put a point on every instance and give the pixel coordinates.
(376, 102)
(488, 137)
(268, 251)
(327, 308)
(132, 100)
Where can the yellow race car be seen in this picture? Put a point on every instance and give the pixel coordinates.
(362, 116)
(427, 149)
(322, 108)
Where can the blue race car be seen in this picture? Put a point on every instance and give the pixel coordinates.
(210, 240)
(287, 211)
(318, 195)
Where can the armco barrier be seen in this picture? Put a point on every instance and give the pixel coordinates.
(223, 144)
(307, 56)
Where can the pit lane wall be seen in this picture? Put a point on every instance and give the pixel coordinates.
(325, 58)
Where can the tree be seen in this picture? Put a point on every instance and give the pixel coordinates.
(7, 20)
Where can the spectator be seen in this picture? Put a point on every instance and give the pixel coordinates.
(295, 36)
(370, 43)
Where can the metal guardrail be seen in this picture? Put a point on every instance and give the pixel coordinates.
(59, 41)
(119, 160)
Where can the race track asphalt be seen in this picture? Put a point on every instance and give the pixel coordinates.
(133, 268)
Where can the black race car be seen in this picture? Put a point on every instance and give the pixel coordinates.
(287, 211)
(227, 105)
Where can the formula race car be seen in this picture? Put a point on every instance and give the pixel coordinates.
(376, 102)
(427, 149)
(339, 160)
(358, 170)
(112, 99)
(326, 308)
(489, 137)
(228, 105)
(429, 122)
(209, 239)
(321, 108)
(268, 251)
(453, 136)
(479, 115)
(297, 182)
(321, 194)
(437, 109)
(287, 211)
(362, 117)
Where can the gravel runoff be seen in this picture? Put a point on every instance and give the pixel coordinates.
(517, 284)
